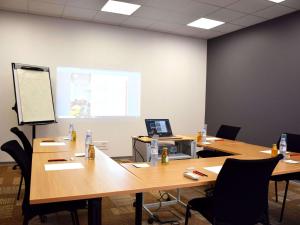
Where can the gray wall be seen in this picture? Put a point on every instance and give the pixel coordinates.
(253, 80)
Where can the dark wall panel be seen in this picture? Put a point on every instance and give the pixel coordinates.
(253, 80)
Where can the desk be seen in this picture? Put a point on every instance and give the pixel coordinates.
(99, 178)
(167, 177)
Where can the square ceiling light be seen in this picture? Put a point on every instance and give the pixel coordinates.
(120, 7)
(204, 23)
(277, 1)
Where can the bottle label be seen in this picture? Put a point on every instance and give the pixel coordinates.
(199, 137)
(154, 151)
(154, 146)
(73, 136)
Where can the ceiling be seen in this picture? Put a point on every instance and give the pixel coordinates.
(170, 16)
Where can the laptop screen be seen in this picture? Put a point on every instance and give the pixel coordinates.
(161, 126)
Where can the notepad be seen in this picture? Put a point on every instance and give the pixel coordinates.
(52, 144)
(213, 139)
(214, 169)
(290, 161)
(140, 165)
(63, 166)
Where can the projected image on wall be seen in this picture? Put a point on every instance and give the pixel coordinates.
(89, 93)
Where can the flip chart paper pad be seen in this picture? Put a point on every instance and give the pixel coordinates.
(63, 166)
(214, 169)
(34, 96)
(52, 144)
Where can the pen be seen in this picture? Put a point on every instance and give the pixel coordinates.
(199, 173)
(48, 141)
(56, 160)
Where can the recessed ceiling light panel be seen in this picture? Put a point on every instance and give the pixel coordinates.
(205, 23)
(277, 1)
(120, 7)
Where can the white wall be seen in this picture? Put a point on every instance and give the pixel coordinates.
(173, 70)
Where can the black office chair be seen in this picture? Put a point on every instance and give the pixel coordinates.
(226, 132)
(25, 142)
(240, 195)
(293, 145)
(28, 150)
(14, 149)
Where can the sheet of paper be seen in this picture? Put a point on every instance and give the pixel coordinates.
(52, 144)
(140, 165)
(63, 166)
(214, 169)
(79, 154)
(213, 139)
(290, 161)
(206, 143)
(268, 151)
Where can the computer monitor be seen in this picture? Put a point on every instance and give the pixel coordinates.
(161, 127)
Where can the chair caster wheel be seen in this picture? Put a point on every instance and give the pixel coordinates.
(151, 220)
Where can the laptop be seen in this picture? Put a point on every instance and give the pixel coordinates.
(161, 127)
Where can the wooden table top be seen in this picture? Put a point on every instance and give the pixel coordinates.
(100, 177)
(235, 147)
(170, 176)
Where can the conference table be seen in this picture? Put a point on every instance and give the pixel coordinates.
(95, 179)
(170, 176)
(104, 177)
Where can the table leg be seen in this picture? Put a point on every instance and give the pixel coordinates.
(94, 211)
(138, 208)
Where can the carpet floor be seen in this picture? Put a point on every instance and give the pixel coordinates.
(118, 209)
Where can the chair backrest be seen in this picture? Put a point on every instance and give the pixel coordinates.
(241, 190)
(14, 149)
(228, 132)
(292, 142)
(25, 142)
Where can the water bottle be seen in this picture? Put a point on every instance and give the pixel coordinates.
(282, 146)
(154, 150)
(88, 142)
(204, 133)
(71, 128)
